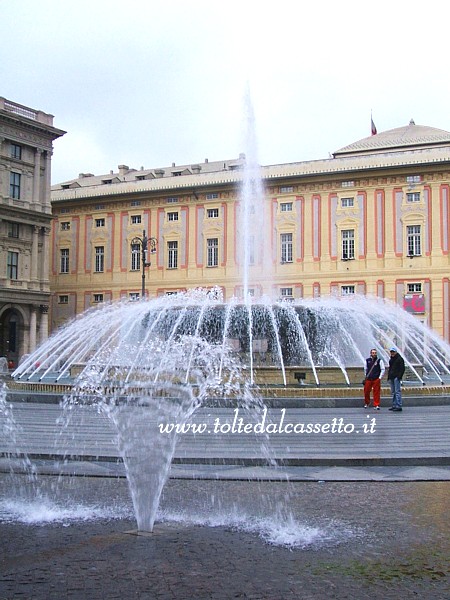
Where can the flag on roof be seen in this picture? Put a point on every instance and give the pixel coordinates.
(372, 127)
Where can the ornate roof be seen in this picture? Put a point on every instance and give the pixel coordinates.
(413, 145)
(401, 138)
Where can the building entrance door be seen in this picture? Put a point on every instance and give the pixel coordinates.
(10, 328)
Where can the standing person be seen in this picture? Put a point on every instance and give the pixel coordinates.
(395, 374)
(374, 373)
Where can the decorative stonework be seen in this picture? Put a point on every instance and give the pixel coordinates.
(26, 137)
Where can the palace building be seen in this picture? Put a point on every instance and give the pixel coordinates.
(26, 137)
(372, 219)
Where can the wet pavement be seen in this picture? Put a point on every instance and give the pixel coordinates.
(68, 538)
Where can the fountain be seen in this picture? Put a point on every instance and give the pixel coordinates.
(143, 381)
(268, 341)
(153, 362)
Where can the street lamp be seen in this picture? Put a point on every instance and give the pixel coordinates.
(144, 242)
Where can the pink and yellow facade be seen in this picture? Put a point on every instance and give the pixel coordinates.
(373, 219)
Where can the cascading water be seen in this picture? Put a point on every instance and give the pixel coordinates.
(324, 332)
(154, 362)
(141, 379)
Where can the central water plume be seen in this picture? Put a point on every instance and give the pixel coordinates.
(149, 379)
(252, 227)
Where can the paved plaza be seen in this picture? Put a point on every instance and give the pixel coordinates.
(224, 539)
(363, 515)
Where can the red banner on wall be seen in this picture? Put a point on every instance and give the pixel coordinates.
(414, 303)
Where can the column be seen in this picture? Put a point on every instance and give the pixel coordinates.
(44, 278)
(43, 327)
(34, 254)
(32, 338)
(37, 177)
(47, 182)
(5, 180)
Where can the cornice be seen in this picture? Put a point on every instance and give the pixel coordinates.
(26, 216)
(26, 129)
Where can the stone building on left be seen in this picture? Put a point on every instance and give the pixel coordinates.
(26, 143)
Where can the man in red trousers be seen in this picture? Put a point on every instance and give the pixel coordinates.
(374, 373)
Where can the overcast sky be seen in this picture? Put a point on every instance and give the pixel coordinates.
(148, 83)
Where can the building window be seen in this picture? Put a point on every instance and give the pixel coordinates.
(172, 200)
(212, 247)
(64, 299)
(347, 290)
(99, 259)
(414, 179)
(99, 222)
(135, 257)
(99, 207)
(133, 296)
(347, 202)
(212, 196)
(413, 239)
(286, 189)
(286, 293)
(172, 216)
(286, 206)
(14, 185)
(98, 298)
(212, 213)
(286, 247)
(12, 265)
(414, 288)
(348, 244)
(172, 255)
(136, 219)
(347, 184)
(16, 151)
(135, 203)
(13, 230)
(64, 262)
(413, 197)
(65, 225)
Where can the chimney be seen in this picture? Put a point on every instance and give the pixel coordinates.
(123, 169)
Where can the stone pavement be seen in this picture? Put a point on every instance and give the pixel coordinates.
(221, 540)
(414, 444)
(363, 515)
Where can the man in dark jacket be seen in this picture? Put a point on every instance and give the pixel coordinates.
(373, 375)
(395, 374)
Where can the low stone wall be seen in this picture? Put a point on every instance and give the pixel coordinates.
(273, 375)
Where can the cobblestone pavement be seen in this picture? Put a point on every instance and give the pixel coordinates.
(356, 540)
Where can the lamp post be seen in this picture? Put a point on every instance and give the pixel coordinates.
(144, 243)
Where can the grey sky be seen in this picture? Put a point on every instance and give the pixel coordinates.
(148, 83)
